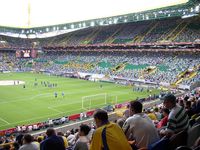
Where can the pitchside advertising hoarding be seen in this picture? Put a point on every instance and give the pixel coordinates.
(26, 53)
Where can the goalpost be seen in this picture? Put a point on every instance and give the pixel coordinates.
(98, 100)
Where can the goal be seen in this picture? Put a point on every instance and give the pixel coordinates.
(98, 100)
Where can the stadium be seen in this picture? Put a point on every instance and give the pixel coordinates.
(66, 65)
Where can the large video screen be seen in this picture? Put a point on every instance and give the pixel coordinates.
(26, 53)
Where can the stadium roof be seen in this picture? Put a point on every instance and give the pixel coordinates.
(37, 13)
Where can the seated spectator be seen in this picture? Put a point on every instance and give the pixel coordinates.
(50, 122)
(70, 138)
(64, 139)
(90, 134)
(81, 116)
(139, 127)
(196, 106)
(40, 138)
(83, 142)
(120, 122)
(62, 120)
(15, 146)
(52, 142)
(178, 119)
(151, 114)
(164, 120)
(19, 139)
(181, 103)
(108, 135)
(28, 143)
(157, 113)
(126, 113)
(23, 128)
(18, 129)
(30, 127)
(188, 109)
(35, 127)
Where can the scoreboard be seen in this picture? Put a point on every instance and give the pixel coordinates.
(26, 53)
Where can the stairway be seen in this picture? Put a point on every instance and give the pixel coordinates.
(90, 37)
(175, 32)
(111, 38)
(140, 38)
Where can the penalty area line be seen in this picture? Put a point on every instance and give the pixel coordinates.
(55, 110)
(4, 121)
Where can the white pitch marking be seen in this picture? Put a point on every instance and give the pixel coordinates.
(55, 110)
(4, 121)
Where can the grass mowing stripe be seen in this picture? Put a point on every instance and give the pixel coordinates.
(4, 121)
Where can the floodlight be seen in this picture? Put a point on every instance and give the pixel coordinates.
(197, 8)
(101, 23)
(92, 23)
(115, 20)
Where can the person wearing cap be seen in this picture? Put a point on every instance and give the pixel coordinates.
(177, 119)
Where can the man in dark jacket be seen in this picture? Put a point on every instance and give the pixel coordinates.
(53, 142)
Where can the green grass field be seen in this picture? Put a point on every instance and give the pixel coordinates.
(32, 104)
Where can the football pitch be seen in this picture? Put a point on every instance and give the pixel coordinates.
(36, 102)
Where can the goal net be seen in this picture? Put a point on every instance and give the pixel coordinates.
(98, 101)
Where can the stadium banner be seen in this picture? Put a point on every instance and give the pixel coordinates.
(83, 75)
(91, 76)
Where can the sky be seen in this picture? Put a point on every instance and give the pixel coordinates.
(35, 13)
